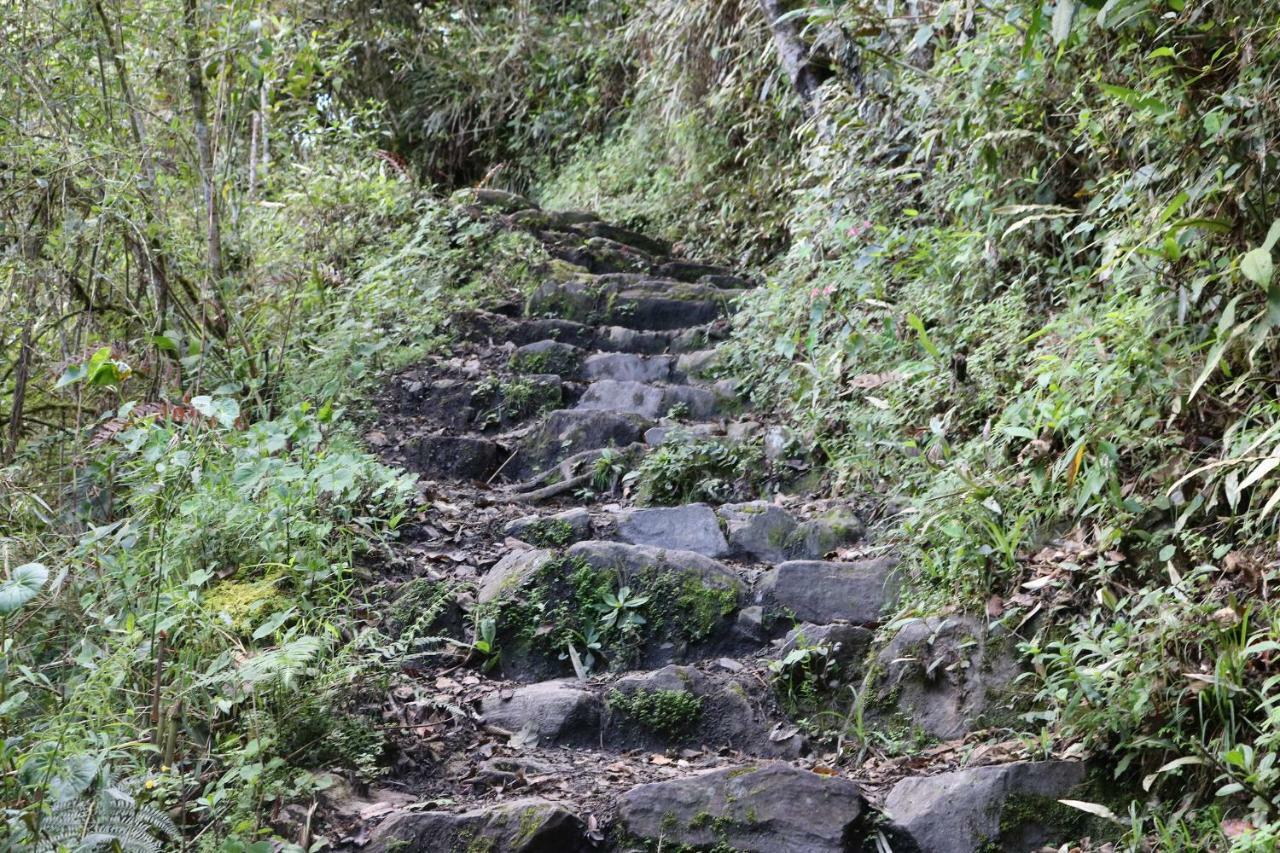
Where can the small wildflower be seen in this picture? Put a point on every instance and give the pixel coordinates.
(149, 784)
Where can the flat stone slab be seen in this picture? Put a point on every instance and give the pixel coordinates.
(823, 592)
(688, 528)
(1010, 807)
(649, 401)
(632, 560)
(563, 528)
(511, 573)
(549, 712)
(627, 367)
(529, 825)
(764, 808)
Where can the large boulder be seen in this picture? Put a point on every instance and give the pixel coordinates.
(816, 538)
(689, 528)
(948, 675)
(549, 712)
(531, 825)
(1011, 807)
(824, 592)
(766, 808)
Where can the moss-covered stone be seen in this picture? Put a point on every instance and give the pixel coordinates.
(667, 712)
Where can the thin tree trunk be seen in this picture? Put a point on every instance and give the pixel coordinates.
(155, 264)
(21, 375)
(204, 145)
(805, 77)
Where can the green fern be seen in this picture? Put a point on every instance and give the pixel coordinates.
(107, 820)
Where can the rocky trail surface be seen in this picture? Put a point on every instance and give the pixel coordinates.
(579, 672)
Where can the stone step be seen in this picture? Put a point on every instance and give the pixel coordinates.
(640, 305)
(660, 710)
(761, 808)
(628, 367)
(520, 825)
(689, 528)
(653, 401)
(453, 457)
(566, 432)
(822, 592)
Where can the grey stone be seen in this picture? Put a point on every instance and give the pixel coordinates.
(847, 644)
(454, 457)
(777, 441)
(632, 398)
(816, 538)
(500, 199)
(602, 255)
(947, 674)
(627, 367)
(765, 808)
(750, 624)
(510, 574)
(563, 528)
(530, 825)
(621, 339)
(823, 592)
(758, 529)
(728, 282)
(674, 678)
(648, 401)
(550, 712)
(547, 357)
(690, 528)
(682, 433)
(632, 560)
(742, 430)
(697, 363)
(568, 431)
(624, 236)
(965, 811)
(689, 270)
(690, 340)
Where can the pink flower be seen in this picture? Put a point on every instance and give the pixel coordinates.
(856, 231)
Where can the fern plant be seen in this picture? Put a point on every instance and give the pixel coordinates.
(107, 819)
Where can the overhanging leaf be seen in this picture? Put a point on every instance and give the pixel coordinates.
(1063, 14)
(23, 585)
(1257, 267)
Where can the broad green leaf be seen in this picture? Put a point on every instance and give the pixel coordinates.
(23, 585)
(1257, 267)
(1063, 14)
(1273, 235)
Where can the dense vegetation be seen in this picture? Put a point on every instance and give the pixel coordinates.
(1020, 277)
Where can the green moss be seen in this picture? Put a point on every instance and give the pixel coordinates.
(560, 602)
(667, 712)
(246, 603)
(549, 531)
(530, 823)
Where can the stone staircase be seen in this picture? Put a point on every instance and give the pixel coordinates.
(665, 677)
